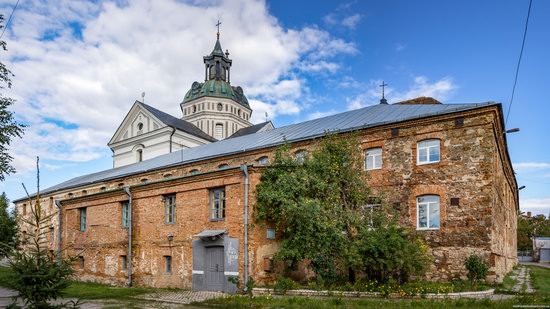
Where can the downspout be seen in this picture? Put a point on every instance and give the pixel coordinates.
(172, 134)
(244, 169)
(59, 230)
(129, 263)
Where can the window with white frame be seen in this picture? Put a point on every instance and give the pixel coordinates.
(217, 204)
(170, 208)
(370, 209)
(427, 151)
(373, 159)
(427, 212)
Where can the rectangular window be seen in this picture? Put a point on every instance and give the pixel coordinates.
(123, 262)
(81, 262)
(170, 208)
(370, 210)
(428, 216)
(217, 204)
(82, 213)
(373, 159)
(168, 264)
(428, 151)
(125, 214)
(270, 233)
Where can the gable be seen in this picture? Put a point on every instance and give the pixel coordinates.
(138, 121)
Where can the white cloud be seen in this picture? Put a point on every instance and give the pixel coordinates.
(536, 205)
(530, 166)
(351, 21)
(316, 115)
(399, 47)
(439, 90)
(87, 82)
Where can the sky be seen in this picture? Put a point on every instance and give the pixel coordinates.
(79, 66)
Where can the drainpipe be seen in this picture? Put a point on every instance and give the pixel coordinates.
(244, 169)
(129, 266)
(172, 134)
(59, 230)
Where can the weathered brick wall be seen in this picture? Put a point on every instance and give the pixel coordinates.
(472, 168)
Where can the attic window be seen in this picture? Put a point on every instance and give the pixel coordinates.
(167, 175)
(194, 171)
(120, 185)
(84, 192)
(103, 188)
(223, 166)
(144, 180)
(140, 126)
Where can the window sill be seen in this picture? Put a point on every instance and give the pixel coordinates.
(169, 223)
(373, 169)
(217, 220)
(427, 229)
(427, 163)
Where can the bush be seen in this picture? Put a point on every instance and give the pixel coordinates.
(477, 268)
(391, 252)
(284, 284)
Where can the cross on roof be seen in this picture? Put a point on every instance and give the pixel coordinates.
(218, 25)
(383, 86)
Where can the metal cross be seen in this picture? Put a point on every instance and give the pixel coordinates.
(383, 86)
(218, 25)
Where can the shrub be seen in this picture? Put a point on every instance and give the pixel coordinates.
(477, 268)
(284, 284)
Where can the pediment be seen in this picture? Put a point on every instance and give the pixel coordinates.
(138, 121)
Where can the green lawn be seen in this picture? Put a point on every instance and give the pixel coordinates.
(540, 278)
(86, 290)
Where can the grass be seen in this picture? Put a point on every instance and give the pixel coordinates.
(88, 290)
(540, 278)
(330, 303)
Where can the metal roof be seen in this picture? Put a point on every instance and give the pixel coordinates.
(370, 116)
(250, 130)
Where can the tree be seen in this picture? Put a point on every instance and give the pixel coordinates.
(37, 275)
(8, 227)
(318, 207)
(9, 128)
(529, 227)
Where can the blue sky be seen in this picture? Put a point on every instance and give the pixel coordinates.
(79, 66)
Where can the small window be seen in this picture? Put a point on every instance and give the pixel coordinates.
(52, 229)
(81, 262)
(300, 156)
(102, 188)
(373, 159)
(24, 209)
(223, 166)
(218, 131)
(144, 180)
(140, 126)
(170, 208)
(70, 195)
(139, 155)
(194, 171)
(370, 209)
(270, 234)
(168, 264)
(123, 262)
(194, 108)
(125, 214)
(427, 212)
(84, 192)
(217, 204)
(263, 160)
(428, 151)
(82, 214)
(220, 107)
(167, 175)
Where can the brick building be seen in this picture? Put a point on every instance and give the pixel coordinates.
(181, 219)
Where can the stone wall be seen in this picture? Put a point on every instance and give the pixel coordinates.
(474, 168)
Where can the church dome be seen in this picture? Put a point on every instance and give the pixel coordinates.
(218, 89)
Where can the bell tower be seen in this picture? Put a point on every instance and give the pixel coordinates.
(214, 106)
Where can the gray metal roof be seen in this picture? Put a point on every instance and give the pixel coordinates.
(370, 116)
(177, 123)
(250, 130)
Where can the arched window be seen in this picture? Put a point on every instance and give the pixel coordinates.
(300, 156)
(218, 132)
(427, 151)
(194, 171)
(220, 107)
(194, 108)
(139, 155)
(427, 212)
(263, 160)
(223, 166)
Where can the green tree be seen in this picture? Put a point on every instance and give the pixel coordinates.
(38, 277)
(9, 128)
(529, 227)
(318, 207)
(8, 227)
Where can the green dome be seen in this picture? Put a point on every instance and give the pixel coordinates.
(216, 88)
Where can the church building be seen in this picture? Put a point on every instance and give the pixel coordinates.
(177, 206)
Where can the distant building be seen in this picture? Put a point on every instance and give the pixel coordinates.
(171, 217)
(541, 249)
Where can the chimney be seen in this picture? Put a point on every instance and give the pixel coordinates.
(420, 100)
